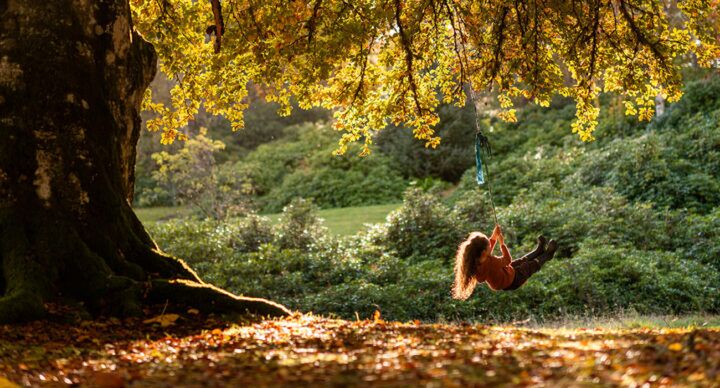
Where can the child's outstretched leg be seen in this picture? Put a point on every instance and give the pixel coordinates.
(539, 250)
(526, 268)
(549, 253)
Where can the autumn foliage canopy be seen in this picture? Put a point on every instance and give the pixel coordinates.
(375, 62)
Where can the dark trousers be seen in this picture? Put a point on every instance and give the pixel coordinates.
(526, 266)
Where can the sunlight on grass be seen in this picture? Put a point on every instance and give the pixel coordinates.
(632, 321)
(350, 220)
(161, 213)
(340, 221)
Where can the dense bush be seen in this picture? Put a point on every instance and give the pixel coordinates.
(448, 161)
(270, 163)
(421, 229)
(607, 277)
(700, 97)
(299, 227)
(302, 165)
(673, 162)
(615, 255)
(667, 169)
(339, 181)
(191, 176)
(699, 238)
(571, 218)
(263, 124)
(211, 241)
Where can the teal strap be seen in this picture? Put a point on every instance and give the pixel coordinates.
(479, 176)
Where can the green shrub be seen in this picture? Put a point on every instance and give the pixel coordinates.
(599, 213)
(423, 228)
(269, 163)
(194, 240)
(603, 278)
(699, 238)
(149, 195)
(649, 168)
(474, 210)
(363, 182)
(194, 177)
(615, 257)
(299, 226)
(303, 165)
(701, 95)
(251, 232)
(448, 161)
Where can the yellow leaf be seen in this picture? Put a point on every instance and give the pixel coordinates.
(5, 383)
(164, 320)
(376, 316)
(675, 347)
(193, 311)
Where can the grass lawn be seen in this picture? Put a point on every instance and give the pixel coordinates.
(341, 221)
(346, 221)
(630, 321)
(161, 213)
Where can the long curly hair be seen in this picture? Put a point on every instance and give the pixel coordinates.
(467, 260)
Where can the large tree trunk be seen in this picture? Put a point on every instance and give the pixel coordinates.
(72, 76)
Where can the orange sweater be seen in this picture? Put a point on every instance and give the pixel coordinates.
(496, 270)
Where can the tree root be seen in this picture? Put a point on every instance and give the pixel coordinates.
(121, 297)
(211, 299)
(21, 306)
(114, 276)
(166, 266)
(25, 281)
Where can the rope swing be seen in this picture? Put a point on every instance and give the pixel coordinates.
(482, 147)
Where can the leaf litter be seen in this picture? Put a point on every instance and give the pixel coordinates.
(192, 349)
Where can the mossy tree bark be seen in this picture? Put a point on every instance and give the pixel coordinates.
(72, 76)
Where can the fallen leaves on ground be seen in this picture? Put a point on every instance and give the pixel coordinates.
(164, 320)
(5, 383)
(202, 351)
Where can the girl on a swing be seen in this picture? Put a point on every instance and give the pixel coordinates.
(475, 263)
